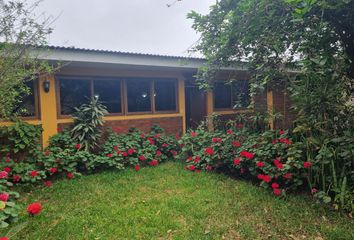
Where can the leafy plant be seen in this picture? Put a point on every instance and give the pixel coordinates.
(88, 123)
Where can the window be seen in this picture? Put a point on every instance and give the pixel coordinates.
(73, 93)
(109, 93)
(139, 95)
(165, 95)
(234, 95)
(28, 105)
(222, 96)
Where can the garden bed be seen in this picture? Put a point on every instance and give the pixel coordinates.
(168, 202)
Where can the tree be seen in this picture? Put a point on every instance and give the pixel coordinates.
(306, 47)
(20, 32)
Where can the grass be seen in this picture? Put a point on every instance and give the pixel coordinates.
(167, 202)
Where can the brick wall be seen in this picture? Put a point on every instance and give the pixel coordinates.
(171, 125)
(282, 104)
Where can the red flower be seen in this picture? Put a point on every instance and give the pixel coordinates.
(285, 140)
(275, 185)
(277, 191)
(3, 174)
(276, 161)
(267, 178)
(314, 190)
(78, 146)
(247, 154)
(8, 160)
(34, 173)
(287, 176)
(158, 153)
(164, 145)
(109, 155)
(239, 125)
(4, 238)
(137, 167)
(209, 151)
(189, 159)
(214, 140)
(281, 132)
(47, 153)
(124, 154)
(194, 134)
(209, 168)
(229, 131)
(16, 178)
(237, 161)
(7, 169)
(236, 144)
(48, 183)
(274, 141)
(279, 166)
(142, 135)
(260, 164)
(174, 153)
(34, 208)
(157, 135)
(4, 197)
(142, 158)
(151, 141)
(191, 167)
(153, 162)
(53, 170)
(59, 129)
(197, 158)
(70, 175)
(131, 151)
(115, 148)
(307, 164)
(260, 176)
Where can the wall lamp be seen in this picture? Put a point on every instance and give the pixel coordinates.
(46, 86)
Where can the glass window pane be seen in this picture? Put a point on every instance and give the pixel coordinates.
(222, 96)
(165, 95)
(240, 92)
(73, 93)
(27, 107)
(109, 92)
(138, 95)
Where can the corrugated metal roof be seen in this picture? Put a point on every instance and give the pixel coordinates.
(119, 52)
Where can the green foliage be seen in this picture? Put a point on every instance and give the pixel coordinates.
(20, 140)
(305, 47)
(88, 123)
(20, 30)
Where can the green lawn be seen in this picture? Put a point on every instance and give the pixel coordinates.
(167, 202)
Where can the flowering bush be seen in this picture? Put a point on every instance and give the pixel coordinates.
(271, 158)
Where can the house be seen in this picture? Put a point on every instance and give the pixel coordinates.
(139, 90)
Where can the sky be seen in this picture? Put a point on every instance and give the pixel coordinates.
(144, 26)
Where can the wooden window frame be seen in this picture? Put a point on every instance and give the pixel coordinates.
(123, 93)
(232, 100)
(37, 106)
(91, 80)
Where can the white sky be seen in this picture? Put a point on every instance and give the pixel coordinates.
(146, 26)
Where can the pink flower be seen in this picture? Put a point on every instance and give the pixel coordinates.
(285, 140)
(196, 160)
(158, 153)
(53, 170)
(70, 175)
(191, 167)
(239, 125)
(314, 190)
(287, 176)
(237, 161)
(246, 154)
(209, 168)
(267, 178)
(4, 238)
(260, 176)
(279, 165)
(131, 151)
(236, 144)
(307, 164)
(48, 183)
(229, 131)
(124, 154)
(157, 135)
(109, 155)
(209, 151)
(194, 134)
(142, 135)
(142, 158)
(275, 185)
(281, 132)
(4, 197)
(78, 146)
(164, 145)
(115, 148)
(34, 208)
(137, 167)
(151, 141)
(16, 178)
(3, 174)
(189, 159)
(277, 191)
(260, 164)
(7, 169)
(34, 173)
(47, 153)
(153, 162)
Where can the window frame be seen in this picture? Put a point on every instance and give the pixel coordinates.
(37, 106)
(123, 93)
(231, 99)
(91, 80)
